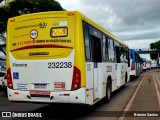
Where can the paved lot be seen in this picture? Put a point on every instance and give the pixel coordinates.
(145, 104)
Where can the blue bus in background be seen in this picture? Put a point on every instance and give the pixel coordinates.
(136, 64)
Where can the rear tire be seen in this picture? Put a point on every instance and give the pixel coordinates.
(108, 91)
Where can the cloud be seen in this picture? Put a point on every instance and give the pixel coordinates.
(130, 20)
(146, 34)
(139, 44)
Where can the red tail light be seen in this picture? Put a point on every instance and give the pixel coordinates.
(9, 79)
(76, 80)
(132, 67)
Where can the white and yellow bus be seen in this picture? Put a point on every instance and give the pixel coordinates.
(63, 57)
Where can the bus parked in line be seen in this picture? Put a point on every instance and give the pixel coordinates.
(153, 64)
(63, 57)
(141, 65)
(144, 64)
(148, 64)
(136, 67)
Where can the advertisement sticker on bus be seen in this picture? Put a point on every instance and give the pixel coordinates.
(59, 85)
(43, 31)
(22, 86)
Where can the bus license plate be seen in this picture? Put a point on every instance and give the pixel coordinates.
(40, 86)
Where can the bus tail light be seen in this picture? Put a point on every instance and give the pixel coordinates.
(76, 80)
(9, 79)
(132, 67)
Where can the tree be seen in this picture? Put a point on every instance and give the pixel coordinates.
(155, 46)
(19, 7)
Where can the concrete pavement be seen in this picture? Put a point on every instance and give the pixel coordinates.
(145, 102)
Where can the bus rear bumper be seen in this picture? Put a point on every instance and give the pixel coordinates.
(77, 96)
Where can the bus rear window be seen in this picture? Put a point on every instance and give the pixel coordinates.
(86, 41)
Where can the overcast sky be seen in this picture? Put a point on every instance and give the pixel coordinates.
(137, 22)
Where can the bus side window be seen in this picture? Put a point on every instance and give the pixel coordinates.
(121, 53)
(96, 49)
(111, 50)
(86, 41)
(105, 47)
(118, 54)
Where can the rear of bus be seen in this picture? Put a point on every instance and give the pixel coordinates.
(144, 64)
(42, 63)
(133, 63)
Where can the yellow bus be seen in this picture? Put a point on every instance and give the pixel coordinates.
(63, 57)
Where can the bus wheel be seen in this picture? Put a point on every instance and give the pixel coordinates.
(108, 91)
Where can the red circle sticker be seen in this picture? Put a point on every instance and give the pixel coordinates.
(34, 34)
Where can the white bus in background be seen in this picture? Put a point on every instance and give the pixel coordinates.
(144, 64)
(148, 64)
(153, 63)
(136, 64)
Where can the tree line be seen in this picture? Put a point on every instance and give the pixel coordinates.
(19, 7)
(155, 46)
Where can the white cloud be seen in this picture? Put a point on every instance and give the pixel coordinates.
(136, 22)
(139, 44)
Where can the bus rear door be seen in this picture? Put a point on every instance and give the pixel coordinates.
(96, 56)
